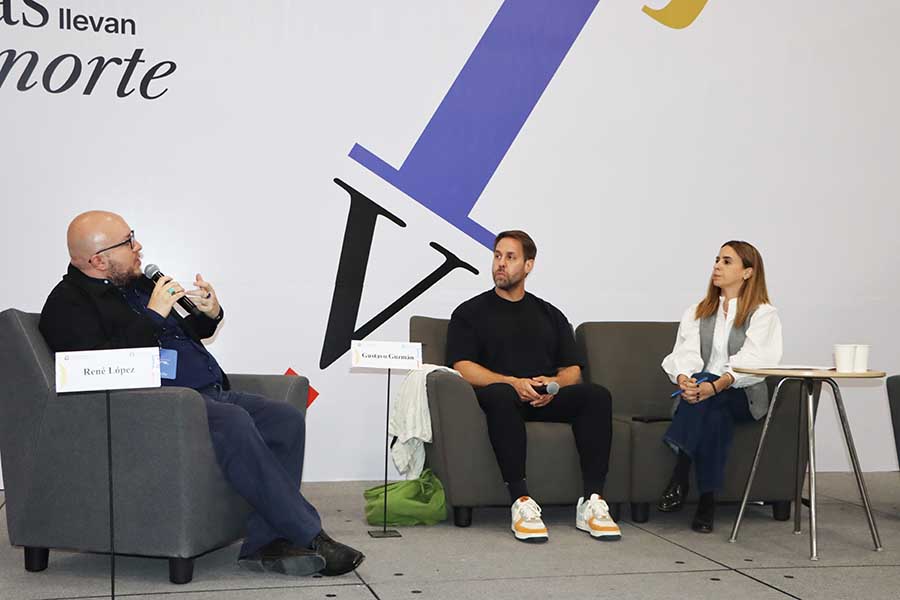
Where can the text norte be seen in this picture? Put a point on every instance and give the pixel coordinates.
(64, 72)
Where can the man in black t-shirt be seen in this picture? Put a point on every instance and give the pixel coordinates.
(515, 348)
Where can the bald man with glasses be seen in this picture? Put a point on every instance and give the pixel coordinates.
(105, 302)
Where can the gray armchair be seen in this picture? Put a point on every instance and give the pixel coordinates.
(171, 500)
(463, 459)
(626, 357)
(893, 390)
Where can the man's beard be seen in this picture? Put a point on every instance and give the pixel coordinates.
(120, 277)
(507, 283)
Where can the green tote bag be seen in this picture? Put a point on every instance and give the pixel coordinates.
(414, 502)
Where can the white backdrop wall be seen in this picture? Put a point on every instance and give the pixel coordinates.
(773, 122)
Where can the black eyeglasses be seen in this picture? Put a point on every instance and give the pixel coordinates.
(129, 241)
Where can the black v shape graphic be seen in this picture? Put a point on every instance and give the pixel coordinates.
(351, 275)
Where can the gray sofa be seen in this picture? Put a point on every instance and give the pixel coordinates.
(171, 499)
(461, 454)
(625, 357)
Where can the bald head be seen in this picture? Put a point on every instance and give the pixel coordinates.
(91, 231)
(97, 230)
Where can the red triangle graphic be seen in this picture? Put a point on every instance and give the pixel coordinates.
(312, 395)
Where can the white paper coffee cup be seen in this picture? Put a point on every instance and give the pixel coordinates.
(860, 358)
(844, 357)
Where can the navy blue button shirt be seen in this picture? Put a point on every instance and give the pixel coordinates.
(196, 368)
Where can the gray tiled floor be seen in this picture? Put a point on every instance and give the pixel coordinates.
(868, 583)
(570, 552)
(883, 490)
(677, 586)
(843, 538)
(72, 574)
(658, 559)
(352, 592)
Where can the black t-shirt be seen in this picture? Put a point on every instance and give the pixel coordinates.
(527, 338)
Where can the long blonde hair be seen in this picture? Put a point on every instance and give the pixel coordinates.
(753, 290)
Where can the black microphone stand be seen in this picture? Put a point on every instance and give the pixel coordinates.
(385, 532)
(112, 535)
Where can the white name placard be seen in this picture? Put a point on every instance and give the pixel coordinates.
(94, 370)
(385, 355)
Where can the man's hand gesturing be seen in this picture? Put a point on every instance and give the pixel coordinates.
(204, 297)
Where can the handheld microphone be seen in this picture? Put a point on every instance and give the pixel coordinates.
(153, 273)
(551, 388)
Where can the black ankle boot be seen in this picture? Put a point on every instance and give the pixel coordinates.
(705, 516)
(673, 496)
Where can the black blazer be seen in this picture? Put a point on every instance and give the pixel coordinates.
(83, 313)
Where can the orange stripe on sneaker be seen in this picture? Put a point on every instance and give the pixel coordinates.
(602, 527)
(521, 529)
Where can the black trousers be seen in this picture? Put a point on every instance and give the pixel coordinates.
(586, 406)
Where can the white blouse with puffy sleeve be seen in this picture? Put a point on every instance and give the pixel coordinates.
(762, 348)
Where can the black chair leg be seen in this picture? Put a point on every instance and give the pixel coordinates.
(781, 510)
(181, 570)
(36, 559)
(615, 510)
(462, 516)
(640, 512)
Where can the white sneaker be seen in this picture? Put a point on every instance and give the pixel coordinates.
(592, 515)
(526, 521)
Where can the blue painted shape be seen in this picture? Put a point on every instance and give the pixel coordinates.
(477, 121)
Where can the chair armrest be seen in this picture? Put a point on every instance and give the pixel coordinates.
(453, 405)
(452, 397)
(171, 412)
(164, 468)
(280, 388)
(154, 423)
(460, 453)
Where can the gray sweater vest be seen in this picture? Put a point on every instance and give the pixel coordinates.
(758, 393)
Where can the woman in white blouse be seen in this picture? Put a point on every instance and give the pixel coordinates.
(733, 326)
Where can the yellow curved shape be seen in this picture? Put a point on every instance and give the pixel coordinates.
(677, 14)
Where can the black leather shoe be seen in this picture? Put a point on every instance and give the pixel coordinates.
(704, 518)
(339, 558)
(673, 497)
(281, 557)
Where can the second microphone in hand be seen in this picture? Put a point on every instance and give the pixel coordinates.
(551, 388)
(153, 273)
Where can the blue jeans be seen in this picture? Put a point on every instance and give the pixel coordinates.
(259, 445)
(704, 431)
